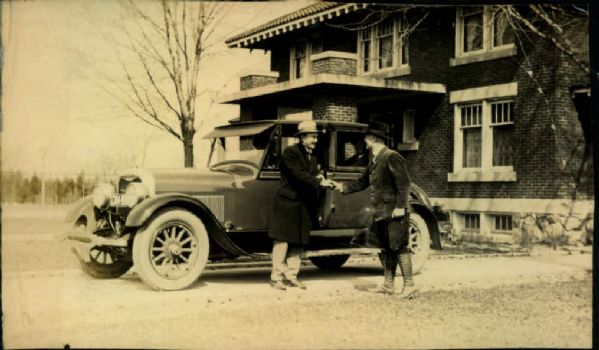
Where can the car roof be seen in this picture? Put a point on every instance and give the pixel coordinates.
(258, 126)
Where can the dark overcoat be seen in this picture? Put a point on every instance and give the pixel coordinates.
(295, 203)
(388, 180)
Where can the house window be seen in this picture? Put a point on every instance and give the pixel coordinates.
(364, 45)
(382, 47)
(503, 34)
(472, 19)
(471, 117)
(384, 43)
(408, 126)
(503, 223)
(502, 122)
(484, 124)
(497, 117)
(298, 60)
(482, 29)
(471, 222)
(300, 52)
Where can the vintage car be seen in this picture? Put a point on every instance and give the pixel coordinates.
(170, 223)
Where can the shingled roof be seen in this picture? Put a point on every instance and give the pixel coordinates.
(308, 15)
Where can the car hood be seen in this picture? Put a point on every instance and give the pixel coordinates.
(183, 180)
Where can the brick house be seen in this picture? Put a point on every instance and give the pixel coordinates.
(484, 115)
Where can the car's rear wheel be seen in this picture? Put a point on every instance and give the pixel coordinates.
(330, 262)
(171, 252)
(419, 242)
(106, 262)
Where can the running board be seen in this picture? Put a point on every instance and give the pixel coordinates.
(322, 252)
(345, 251)
(264, 259)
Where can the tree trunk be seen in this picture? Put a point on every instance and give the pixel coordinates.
(188, 149)
(188, 131)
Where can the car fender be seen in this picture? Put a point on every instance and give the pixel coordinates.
(82, 207)
(145, 210)
(428, 216)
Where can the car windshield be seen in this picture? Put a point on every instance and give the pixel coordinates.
(242, 149)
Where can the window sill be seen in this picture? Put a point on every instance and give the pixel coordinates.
(482, 176)
(408, 146)
(389, 72)
(484, 56)
(484, 237)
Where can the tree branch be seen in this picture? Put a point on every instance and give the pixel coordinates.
(513, 12)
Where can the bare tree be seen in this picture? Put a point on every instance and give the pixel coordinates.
(161, 57)
(558, 24)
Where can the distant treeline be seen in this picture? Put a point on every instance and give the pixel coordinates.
(40, 189)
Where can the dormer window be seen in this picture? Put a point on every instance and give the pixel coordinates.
(382, 47)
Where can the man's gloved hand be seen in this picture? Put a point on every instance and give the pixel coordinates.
(337, 186)
(326, 183)
(398, 213)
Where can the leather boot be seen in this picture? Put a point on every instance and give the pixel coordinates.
(388, 286)
(405, 264)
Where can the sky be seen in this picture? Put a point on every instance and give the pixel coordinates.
(58, 117)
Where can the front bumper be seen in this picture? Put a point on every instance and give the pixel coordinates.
(82, 235)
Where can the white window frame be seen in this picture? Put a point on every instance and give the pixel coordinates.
(468, 229)
(398, 46)
(485, 96)
(493, 217)
(488, 34)
(310, 50)
(488, 51)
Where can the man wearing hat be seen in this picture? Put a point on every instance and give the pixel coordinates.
(295, 207)
(387, 177)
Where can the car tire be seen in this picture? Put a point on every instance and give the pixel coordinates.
(331, 262)
(170, 252)
(106, 262)
(419, 242)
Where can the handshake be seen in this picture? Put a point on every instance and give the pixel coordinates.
(324, 182)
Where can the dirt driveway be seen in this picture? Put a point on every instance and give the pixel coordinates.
(236, 308)
(535, 301)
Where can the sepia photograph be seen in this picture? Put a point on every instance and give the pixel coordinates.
(297, 174)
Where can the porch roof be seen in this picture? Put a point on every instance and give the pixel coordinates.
(370, 85)
(309, 15)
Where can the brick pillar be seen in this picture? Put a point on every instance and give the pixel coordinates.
(336, 107)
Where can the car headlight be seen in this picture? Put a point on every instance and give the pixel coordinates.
(137, 189)
(101, 194)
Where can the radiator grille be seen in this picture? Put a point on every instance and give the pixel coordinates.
(216, 204)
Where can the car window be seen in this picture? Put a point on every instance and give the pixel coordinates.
(280, 143)
(350, 150)
(273, 154)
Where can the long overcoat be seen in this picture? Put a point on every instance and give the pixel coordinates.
(388, 180)
(295, 203)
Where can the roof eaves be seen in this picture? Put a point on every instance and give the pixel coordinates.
(304, 17)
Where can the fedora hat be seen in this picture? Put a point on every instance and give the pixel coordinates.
(379, 130)
(307, 127)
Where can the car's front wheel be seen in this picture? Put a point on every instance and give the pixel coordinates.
(171, 252)
(106, 262)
